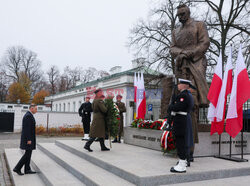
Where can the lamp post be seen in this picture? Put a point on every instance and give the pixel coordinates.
(51, 104)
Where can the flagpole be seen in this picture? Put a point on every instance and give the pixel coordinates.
(230, 147)
(241, 143)
(219, 143)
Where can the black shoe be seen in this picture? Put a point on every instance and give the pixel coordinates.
(173, 170)
(105, 149)
(88, 148)
(30, 172)
(188, 163)
(18, 172)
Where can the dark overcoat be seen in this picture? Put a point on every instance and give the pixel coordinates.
(28, 132)
(97, 128)
(122, 108)
(183, 123)
(85, 112)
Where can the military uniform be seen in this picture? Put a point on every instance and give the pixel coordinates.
(182, 122)
(97, 129)
(85, 112)
(122, 108)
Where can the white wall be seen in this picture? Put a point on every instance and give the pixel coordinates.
(55, 119)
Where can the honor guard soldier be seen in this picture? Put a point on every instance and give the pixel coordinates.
(122, 108)
(85, 112)
(97, 128)
(182, 123)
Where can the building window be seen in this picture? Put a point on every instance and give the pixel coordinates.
(74, 106)
(68, 107)
(64, 107)
(56, 107)
(39, 108)
(60, 107)
(25, 107)
(10, 107)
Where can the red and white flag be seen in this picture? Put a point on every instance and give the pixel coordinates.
(226, 88)
(213, 94)
(135, 87)
(240, 94)
(141, 98)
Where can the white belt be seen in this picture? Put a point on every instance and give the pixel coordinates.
(181, 113)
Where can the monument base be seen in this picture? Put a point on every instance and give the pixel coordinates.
(207, 146)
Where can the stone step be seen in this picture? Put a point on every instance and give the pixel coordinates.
(143, 166)
(52, 173)
(85, 171)
(12, 157)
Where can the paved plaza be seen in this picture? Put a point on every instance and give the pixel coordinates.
(123, 165)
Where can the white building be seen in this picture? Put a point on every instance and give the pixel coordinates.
(117, 83)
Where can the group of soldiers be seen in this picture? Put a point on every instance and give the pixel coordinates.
(97, 131)
(190, 42)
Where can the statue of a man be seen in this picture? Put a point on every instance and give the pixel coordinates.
(190, 41)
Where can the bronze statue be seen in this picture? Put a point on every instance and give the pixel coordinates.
(190, 41)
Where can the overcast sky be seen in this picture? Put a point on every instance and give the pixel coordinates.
(87, 33)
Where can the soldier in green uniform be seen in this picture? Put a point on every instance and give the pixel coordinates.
(97, 128)
(122, 108)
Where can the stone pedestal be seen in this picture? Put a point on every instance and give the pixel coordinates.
(167, 85)
(207, 146)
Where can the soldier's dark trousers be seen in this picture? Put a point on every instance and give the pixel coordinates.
(181, 147)
(86, 125)
(25, 160)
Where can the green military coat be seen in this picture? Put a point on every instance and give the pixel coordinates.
(122, 108)
(97, 128)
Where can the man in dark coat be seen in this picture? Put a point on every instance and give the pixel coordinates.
(28, 141)
(97, 129)
(122, 108)
(182, 123)
(85, 112)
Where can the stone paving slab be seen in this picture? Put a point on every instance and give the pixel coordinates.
(29, 180)
(235, 181)
(151, 165)
(87, 172)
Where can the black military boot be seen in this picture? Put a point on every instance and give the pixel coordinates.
(191, 157)
(115, 140)
(119, 139)
(103, 147)
(88, 143)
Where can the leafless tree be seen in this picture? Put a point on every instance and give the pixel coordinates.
(228, 24)
(18, 60)
(102, 73)
(151, 39)
(88, 75)
(4, 84)
(53, 74)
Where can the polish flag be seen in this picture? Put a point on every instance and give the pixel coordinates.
(141, 99)
(240, 94)
(222, 100)
(213, 94)
(135, 87)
